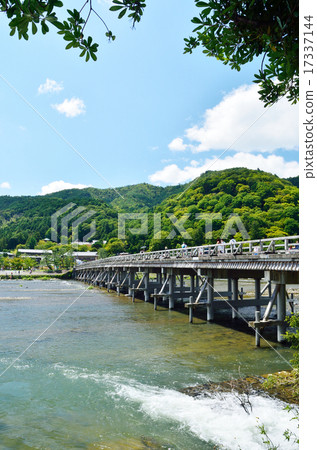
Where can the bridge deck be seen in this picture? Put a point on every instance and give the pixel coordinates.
(284, 262)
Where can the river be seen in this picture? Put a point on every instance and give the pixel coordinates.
(107, 374)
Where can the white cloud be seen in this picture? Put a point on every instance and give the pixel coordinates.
(177, 145)
(60, 185)
(240, 122)
(172, 174)
(5, 185)
(71, 108)
(50, 86)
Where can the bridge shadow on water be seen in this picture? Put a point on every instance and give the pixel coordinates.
(224, 319)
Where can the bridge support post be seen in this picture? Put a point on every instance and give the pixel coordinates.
(210, 299)
(270, 288)
(181, 286)
(233, 312)
(281, 312)
(235, 293)
(155, 300)
(146, 287)
(257, 330)
(130, 282)
(190, 309)
(192, 284)
(133, 293)
(229, 289)
(171, 299)
(257, 288)
(118, 282)
(109, 279)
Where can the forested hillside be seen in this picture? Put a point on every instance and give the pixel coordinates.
(266, 205)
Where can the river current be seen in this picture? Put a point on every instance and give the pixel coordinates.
(107, 374)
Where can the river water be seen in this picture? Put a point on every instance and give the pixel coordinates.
(107, 374)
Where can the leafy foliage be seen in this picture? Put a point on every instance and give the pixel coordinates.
(30, 15)
(293, 337)
(294, 180)
(136, 8)
(235, 32)
(267, 206)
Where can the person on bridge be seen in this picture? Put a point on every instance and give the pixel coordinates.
(221, 246)
(232, 243)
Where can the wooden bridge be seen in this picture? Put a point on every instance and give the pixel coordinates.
(186, 276)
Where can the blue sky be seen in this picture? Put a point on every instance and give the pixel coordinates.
(144, 112)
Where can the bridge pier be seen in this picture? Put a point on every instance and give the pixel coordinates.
(210, 298)
(181, 286)
(257, 289)
(131, 279)
(171, 286)
(235, 293)
(281, 312)
(118, 282)
(146, 286)
(192, 284)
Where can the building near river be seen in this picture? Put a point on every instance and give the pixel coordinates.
(39, 254)
(85, 256)
(33, 253)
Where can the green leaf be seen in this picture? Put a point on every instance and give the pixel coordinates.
(122, 13)
(34, 28)
(202, 4)
(68, 36)
(115, 8)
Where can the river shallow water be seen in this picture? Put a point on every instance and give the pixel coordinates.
(107, 374)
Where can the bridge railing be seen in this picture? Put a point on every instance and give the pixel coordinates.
(285, 244)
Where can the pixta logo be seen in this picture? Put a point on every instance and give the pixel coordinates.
(140, 226)
(67, 217)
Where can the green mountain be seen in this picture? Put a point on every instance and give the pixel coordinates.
(266, 205)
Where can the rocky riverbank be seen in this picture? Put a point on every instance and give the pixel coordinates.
(282, 385)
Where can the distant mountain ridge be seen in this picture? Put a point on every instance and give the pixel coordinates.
(127, 198)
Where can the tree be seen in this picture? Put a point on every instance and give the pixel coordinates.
(233, 31)
(31, 242)
(30, 14)
(29, 263)
(236, 31)
(114, 246)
